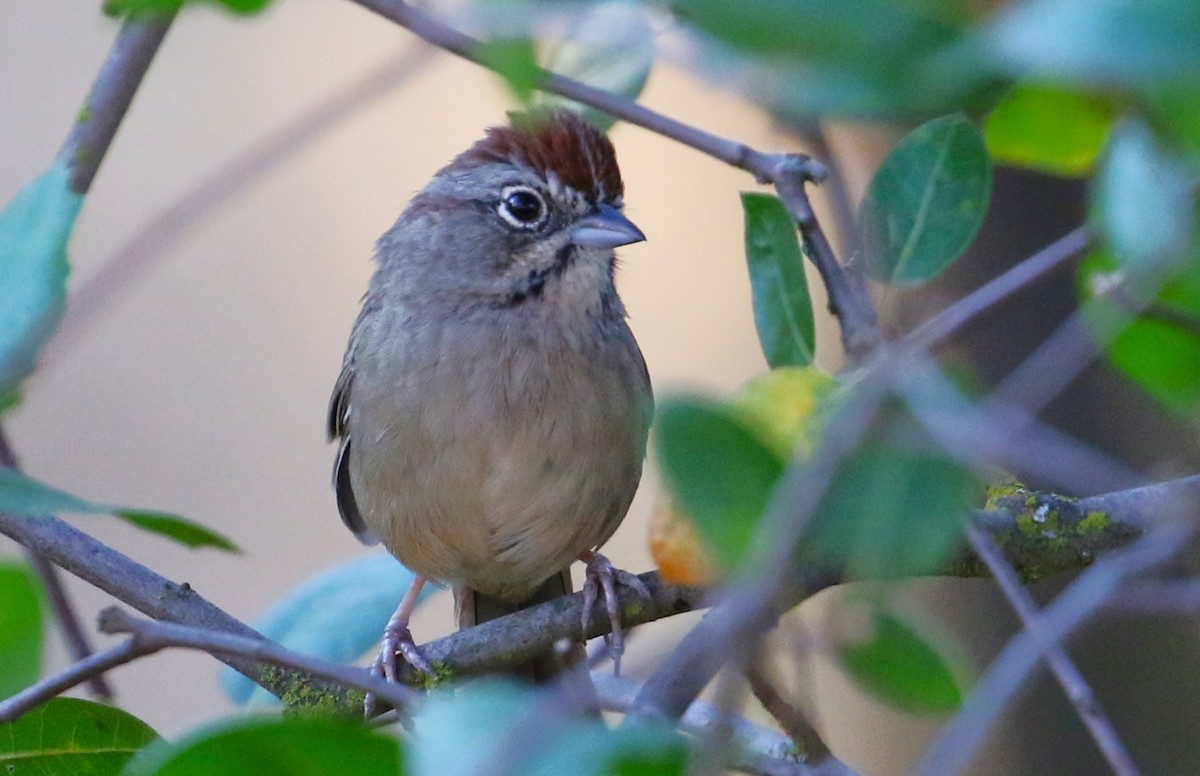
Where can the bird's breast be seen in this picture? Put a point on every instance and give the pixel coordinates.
(490, 453)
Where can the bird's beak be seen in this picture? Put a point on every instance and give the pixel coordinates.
(605, 228)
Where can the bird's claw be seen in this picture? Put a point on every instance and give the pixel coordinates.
(397, 644)
(601, 575)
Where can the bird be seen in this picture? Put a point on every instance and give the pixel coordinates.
(493, 406)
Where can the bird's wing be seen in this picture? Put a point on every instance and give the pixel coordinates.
(337, 428)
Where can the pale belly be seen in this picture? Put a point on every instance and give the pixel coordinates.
(499, 474)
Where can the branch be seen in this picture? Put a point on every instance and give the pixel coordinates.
(78, 646)
(517, 638)
(789, 173)
(1076, 687)
(996, 290)
(753, 749)
(791, 719)
(85, 670)
(60, 603)
(962, 736)
(112, 92)
(153, 595)
(149, 637)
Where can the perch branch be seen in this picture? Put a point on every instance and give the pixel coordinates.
(149, 637)
(789, 173)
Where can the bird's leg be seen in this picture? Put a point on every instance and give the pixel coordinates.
(398, 638)
(602, 576)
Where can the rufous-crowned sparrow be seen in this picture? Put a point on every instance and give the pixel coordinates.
(493, 405)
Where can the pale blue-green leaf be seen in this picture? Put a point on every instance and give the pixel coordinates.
(34, 230)
(499, 713)
(279, 747)
(71, 737)
(926, 201)
(20, 627)
(23, 495)
(338, 614)
(783, 313)
(611, 47)
(1128, 42)
(1143, 201)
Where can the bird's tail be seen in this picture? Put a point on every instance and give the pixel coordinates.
(567, 666)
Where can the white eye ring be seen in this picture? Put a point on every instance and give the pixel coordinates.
(522, 207)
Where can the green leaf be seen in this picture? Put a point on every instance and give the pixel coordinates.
(926, 201)
(71, 737)
(820, 57)
(280, 747)
(337, 615)
(1102, 42)
(899, 667)
(1143, 202)
(894, 508)
(159, 7)
(20, 628)
(611, 47)
(34, 230)
(1160, 349)
(22, 495)
(514, 59)
(1049, 128)
(783, 312)
(719, 471)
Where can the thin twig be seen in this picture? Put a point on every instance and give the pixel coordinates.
(1073, 683)
(994, 434)
(111, 94)
(1089, 593)
(838, 195)
(789, 173)
(996, 290)
(78, 646)
(60, 603)
(75, 674)
(753, 749)
(149, 637)
(151, 245)
(790, 718)
(166, 634)
(1158, 598)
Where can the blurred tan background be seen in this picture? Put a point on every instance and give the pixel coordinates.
(203, 391)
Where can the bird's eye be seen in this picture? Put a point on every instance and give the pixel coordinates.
(522, 207)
